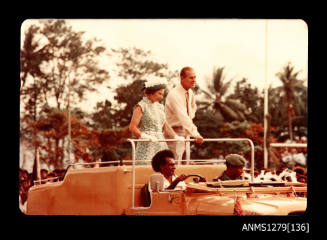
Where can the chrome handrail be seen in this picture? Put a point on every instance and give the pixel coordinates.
(299, 145)
(213, 160)
(132, 141)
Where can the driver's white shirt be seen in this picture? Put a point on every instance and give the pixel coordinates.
(180, 186)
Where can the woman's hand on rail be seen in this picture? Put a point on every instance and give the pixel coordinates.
(198, 139)
(179, 138)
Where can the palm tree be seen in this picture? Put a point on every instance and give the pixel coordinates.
(226, 108)
(291, 85)
(32, 54)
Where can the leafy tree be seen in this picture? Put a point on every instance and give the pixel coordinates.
(56, 58)
(52, 126)
(251, 98)
(32, 55)
(65, 61)
(112, 144)
(235, 129)
(103, 116)
(134, 65)
(61, 65)
(88, 143)
(291, 99)
(226, 108)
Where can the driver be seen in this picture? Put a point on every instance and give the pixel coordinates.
(235, 164)
(163, 162)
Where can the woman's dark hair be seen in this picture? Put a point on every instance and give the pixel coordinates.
(150, 91)
(160, 159)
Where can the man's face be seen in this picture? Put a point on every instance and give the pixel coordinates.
(237, 171)
(189, 80)
(44, 175)
(169, 168)
(24, 181)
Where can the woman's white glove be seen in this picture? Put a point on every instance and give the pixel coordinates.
(149, 137)
(179, 138)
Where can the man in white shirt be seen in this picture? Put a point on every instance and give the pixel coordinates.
(180, 108)
(164, 163)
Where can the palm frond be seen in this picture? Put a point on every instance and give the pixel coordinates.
(218, 79)
(228, 113)
(225, 87)
(235, 104)
(206, 93)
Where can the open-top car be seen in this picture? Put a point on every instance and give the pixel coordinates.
(123, 190)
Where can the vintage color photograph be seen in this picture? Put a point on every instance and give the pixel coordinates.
(163, 117)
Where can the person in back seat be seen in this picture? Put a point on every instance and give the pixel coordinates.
(164, 163)
(235, 164)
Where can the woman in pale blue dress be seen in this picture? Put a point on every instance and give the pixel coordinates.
(149, 122)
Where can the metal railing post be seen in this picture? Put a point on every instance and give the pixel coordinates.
(133, 170)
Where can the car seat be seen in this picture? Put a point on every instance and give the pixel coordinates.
(155, 185)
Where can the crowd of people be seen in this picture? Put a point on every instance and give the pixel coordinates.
(285, 174)
(291, 156)
(27, 180)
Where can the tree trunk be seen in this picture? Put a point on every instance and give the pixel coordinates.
(35, 167)
(63, 152)
(57, 154)
(290, 128)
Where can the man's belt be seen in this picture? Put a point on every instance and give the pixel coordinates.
(178, 127)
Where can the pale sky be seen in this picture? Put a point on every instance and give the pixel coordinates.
(236, 44)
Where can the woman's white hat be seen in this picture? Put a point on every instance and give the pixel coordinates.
(155, 83)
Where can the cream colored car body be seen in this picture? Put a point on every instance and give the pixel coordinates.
(108, 191)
